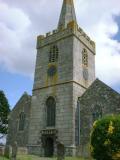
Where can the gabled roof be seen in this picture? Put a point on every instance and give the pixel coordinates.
(22, 98)
(99, 86)
(67, 13)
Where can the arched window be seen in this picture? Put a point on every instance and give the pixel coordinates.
(97, 113)
(51, 111)
(53, 56)
(85, 57)
(21, 121)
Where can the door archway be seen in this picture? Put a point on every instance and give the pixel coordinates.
(49, 147)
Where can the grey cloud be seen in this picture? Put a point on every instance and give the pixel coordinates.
(42, 16)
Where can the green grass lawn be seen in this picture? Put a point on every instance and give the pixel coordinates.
(2, 158)
(30, 157)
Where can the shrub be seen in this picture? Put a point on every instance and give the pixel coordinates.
(105, 138)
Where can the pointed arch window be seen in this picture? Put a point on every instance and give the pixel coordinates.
(97, 113)
(53, 55)
(51, 111)
(21, 121)
(85, 57)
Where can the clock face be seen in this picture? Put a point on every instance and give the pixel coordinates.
(85, 73)
(52, 70)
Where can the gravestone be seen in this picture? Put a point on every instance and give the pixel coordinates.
(60, 151)
(14, 151)
(7, 151)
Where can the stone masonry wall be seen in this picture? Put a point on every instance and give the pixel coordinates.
(78, 66)
(66, 85)
(98, 96)
(64, 113)
(23, 105)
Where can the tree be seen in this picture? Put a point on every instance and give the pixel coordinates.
(105, 138)
(4, 111)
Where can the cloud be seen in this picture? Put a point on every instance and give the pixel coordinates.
(21, 21)
(98, 19)
(108, 53)
(9, 16)
(14, 26)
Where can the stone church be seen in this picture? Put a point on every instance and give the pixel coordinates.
(66, 98)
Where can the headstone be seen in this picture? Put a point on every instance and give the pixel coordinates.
(2, 150)
(7, 151)
(60, 151)
(14, 151)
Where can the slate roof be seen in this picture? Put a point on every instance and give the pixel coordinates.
(24, 96)
(99, 86)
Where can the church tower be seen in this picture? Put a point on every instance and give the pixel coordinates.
(65, 68)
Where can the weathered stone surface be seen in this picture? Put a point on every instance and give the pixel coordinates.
(101, 99)
(7, 151)
(22, 151)
(14, 151)
(14, 134)
(2, 149)
(65, 82)
(60, 151)
(65, 86)
(67, 13)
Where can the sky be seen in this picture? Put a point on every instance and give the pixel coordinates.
(22, 20)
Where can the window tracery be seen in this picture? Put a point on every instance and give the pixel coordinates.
(21, 121)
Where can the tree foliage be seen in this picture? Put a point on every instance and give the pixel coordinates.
(4, 111)
(105, 138)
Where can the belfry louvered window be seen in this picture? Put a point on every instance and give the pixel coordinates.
(51, 111)
(85, 57)
(21, 121)
(53, 56)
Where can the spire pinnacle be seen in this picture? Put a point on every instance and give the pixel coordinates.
(67, 13)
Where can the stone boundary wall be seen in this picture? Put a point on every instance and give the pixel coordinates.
(22, 151)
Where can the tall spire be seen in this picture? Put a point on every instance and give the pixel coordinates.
(67, 13)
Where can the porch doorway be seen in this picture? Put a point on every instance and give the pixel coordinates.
(49, 147)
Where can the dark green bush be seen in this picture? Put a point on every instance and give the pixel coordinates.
(4, 112)
(105, 138)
